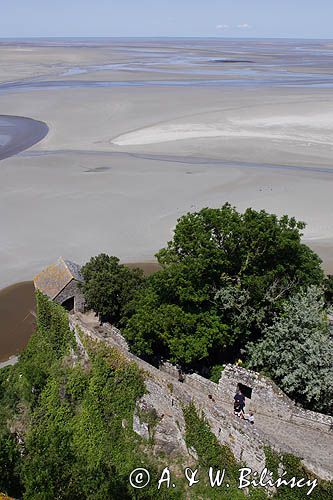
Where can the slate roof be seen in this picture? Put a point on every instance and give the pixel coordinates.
(53, 279)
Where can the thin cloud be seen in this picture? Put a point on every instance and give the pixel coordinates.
(222, 26)
(243, 26)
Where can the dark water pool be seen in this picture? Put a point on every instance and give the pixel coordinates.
(17, 320)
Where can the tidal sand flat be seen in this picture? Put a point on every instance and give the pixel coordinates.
(141, 132)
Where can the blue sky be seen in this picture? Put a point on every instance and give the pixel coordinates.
(232, 18)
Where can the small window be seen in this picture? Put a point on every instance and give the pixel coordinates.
(245, 390)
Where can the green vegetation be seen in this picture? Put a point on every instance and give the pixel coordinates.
(296, 350)
(224, 276)
(229, 286)
(215, 373)
(273, 461)
(22, 388)
(210, 453)
(109, 286)
(9, 452)
(66, 427)
(329, 290)
(61, 432)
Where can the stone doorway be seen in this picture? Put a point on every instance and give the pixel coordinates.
(69, 304)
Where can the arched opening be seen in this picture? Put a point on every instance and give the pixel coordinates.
(68, 304)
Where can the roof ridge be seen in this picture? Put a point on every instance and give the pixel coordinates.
(57, 275)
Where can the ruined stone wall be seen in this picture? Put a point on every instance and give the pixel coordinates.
(265, 394)
(287, 430)
(267, 398)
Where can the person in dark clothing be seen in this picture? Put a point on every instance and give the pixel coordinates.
(239, 401)
(238, 411)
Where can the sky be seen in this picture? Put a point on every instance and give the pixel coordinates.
(179, 18)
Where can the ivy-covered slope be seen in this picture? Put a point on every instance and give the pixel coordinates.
(66, 426)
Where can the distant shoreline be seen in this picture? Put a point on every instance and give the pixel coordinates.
(262, 141)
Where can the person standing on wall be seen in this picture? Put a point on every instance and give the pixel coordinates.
(239, 402)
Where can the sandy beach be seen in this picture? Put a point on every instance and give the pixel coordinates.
(121, 163)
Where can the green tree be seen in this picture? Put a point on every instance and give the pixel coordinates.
(260, 251)
(109, 286)
(169, 331)
(223, 276)
(296, 350)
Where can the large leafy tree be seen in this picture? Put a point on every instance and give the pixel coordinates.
(296, 350)
(260, 251)
(108, 286)
(169, 331)
(224, 274)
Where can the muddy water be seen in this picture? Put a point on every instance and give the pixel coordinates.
(147, 267)
(17, 308)
(17, 303)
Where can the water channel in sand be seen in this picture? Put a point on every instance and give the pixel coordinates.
(18, 133)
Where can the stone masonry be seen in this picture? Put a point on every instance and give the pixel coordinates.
(60, 281)
(72, 290)
(278, 424)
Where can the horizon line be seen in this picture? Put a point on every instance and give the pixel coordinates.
(218, 37)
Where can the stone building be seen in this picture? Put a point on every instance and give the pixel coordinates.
(60, 282)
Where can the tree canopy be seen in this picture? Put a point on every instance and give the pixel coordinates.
(224, 274)
(296, 350)
(108, 286)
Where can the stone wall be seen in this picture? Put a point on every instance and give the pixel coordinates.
(72, 290)
(287, 429)
(267, 398)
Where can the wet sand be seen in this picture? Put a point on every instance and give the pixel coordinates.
(147, 267)
(121, 163)
(17, 303)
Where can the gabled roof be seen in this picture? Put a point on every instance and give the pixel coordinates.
(53, 279)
